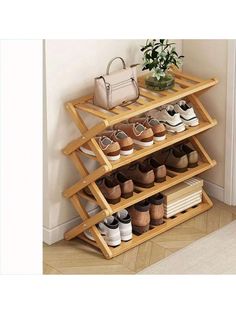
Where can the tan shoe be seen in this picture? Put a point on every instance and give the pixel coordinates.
(192, 155)
(139, 133)
(159, 130)
(110, 149)
(173, 159)
(125, 142)
(156, 209)
(141, 175)
(158, 169)
(110, 189)
(140, 217)
(126, 184)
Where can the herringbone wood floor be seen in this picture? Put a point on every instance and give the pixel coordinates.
(76, 257)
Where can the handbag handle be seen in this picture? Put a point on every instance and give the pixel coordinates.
(109, 64)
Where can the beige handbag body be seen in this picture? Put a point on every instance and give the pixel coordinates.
(118, 88)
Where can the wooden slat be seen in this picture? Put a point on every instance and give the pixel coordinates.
(187, 76)
(177, 88)
(94, 110)
(118, 110)
(184, 83)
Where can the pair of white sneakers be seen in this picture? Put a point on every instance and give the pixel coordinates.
(176, 117)
(115, 228)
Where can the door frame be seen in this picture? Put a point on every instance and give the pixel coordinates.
(230, 133)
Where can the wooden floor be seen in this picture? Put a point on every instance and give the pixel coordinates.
(76, 257)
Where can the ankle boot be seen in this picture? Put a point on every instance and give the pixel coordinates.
(140, 217)
(156, 209)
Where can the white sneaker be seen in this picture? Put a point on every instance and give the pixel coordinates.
(169, 117)
(110, 229)
(187, 113)
(125, 226)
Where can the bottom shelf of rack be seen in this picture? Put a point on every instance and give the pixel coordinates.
(168, 224)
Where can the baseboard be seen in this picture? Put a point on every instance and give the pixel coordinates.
(56, 234)
(214, 190)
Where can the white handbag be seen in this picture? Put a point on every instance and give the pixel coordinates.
(118, 88)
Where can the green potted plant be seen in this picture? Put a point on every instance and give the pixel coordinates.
(158, 57)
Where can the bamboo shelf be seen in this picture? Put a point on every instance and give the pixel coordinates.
(186, 86)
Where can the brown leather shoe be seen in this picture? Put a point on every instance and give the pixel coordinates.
(159, 170)
(141, 174)
(139, 133)
(192, 155)
(156, 209)
(126, 184)
(125, 142)
(140, 217)
(109, 187)
(173, 159)
(159, 130)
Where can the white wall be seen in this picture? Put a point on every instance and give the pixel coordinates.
(206, 59)
(70, 67)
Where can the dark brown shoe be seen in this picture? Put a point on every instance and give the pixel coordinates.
(126, 184)
(156, 209)
(158, 169)
(109, 187)
(141, 174)
(140, 217)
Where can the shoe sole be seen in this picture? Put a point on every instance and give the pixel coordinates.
(91, 153)
(159, 180)
(175, 129)
(177, 169)
(159, 138)
(127, 195)
(143, 144)
(193, 122)
(113, 201)
(126, 238)
(114, 243)
(126, 152)
(156, 222)
(89, 236)
(193, 165)
(140, 230)
(143, 185)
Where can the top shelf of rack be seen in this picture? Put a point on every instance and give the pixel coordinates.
(184, 85)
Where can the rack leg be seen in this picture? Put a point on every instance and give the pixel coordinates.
(101, 243)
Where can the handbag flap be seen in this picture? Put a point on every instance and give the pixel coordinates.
(120, 76)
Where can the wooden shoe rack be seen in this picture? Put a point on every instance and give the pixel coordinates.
(185, 86)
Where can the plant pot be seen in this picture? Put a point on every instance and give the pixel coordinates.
(165, 82)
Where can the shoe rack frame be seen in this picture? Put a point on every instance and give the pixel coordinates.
(186, 86)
